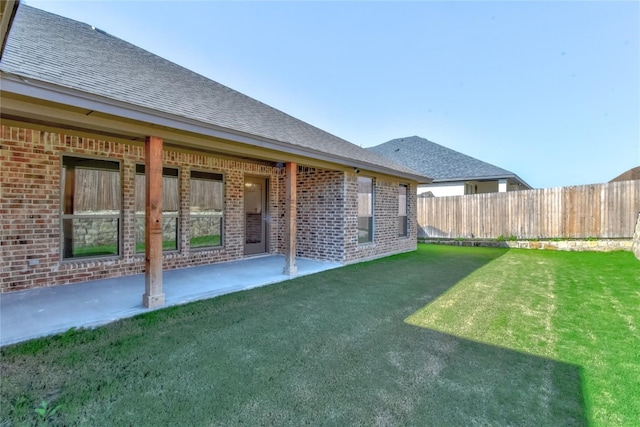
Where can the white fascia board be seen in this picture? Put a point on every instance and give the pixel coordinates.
(483, 178)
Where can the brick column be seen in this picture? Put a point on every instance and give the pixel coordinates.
(153, 295)
(290, 266)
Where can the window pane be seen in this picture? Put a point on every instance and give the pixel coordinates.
(365, 200)
(170, 208)
(170, 196)
(206, 209)
(402, 210)
(86, 237)
(140, 194)
(91, 191)
(140, 238)
(365, 209)
(97, 191)
(205, 231)
(402, 226)
(206, 196)
(402, 200)
(91, 205)
(252, 198)
(169, 233)
(364, 229)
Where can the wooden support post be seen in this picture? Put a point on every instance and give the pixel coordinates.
(290, 267)
(153, 292)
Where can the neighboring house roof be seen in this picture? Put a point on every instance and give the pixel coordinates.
(630, 175)
(442, 164)
(46, 49)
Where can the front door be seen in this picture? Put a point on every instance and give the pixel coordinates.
(255, 202)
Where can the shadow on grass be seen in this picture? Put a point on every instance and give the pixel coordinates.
(462, 382)
(458, 381)
(326, 349)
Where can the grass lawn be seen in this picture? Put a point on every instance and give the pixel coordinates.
(442, 336)
(96, 250)
(582, 309)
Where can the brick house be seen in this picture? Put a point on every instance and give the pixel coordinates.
(115, 161)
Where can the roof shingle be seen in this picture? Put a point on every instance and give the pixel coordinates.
(439, 162)
(71, 54)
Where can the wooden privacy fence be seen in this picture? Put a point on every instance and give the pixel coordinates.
(99, 190)
(599, 211)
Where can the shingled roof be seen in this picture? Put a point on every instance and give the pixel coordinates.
(442, 164)
(630, 175)
(48, 48)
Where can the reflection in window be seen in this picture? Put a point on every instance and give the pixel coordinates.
(170, 208)
(91, 208)
(253, 212)
(402, 211)
(206, 211)
(365, 209)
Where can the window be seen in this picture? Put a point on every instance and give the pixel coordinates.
(365, 209)
(91, 208)
(470, 188)
(170, 208)
(206, 212)
(402, 211)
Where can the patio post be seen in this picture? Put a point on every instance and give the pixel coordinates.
(290, 267)
(153, 295)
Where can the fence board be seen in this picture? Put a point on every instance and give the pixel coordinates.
(599, 210)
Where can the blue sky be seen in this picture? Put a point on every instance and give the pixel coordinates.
(548, 90)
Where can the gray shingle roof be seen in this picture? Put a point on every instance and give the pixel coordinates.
(70, 54)
(440, 163)
(630, 175)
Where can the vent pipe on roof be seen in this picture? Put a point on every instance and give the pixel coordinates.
(98, 30)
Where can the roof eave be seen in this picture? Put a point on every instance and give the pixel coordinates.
(26, 86)
(513, 177)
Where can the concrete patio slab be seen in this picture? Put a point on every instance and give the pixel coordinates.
(35, 313)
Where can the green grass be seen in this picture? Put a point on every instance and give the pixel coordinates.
(204, 241)
(97, 250)
(102, 250)
(337, 348)
(582, 309)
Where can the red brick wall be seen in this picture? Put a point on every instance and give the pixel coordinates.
(30, 166)
(385, 223)
(320, 217)
(327, 231)
(30, 208)
(29, 205)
